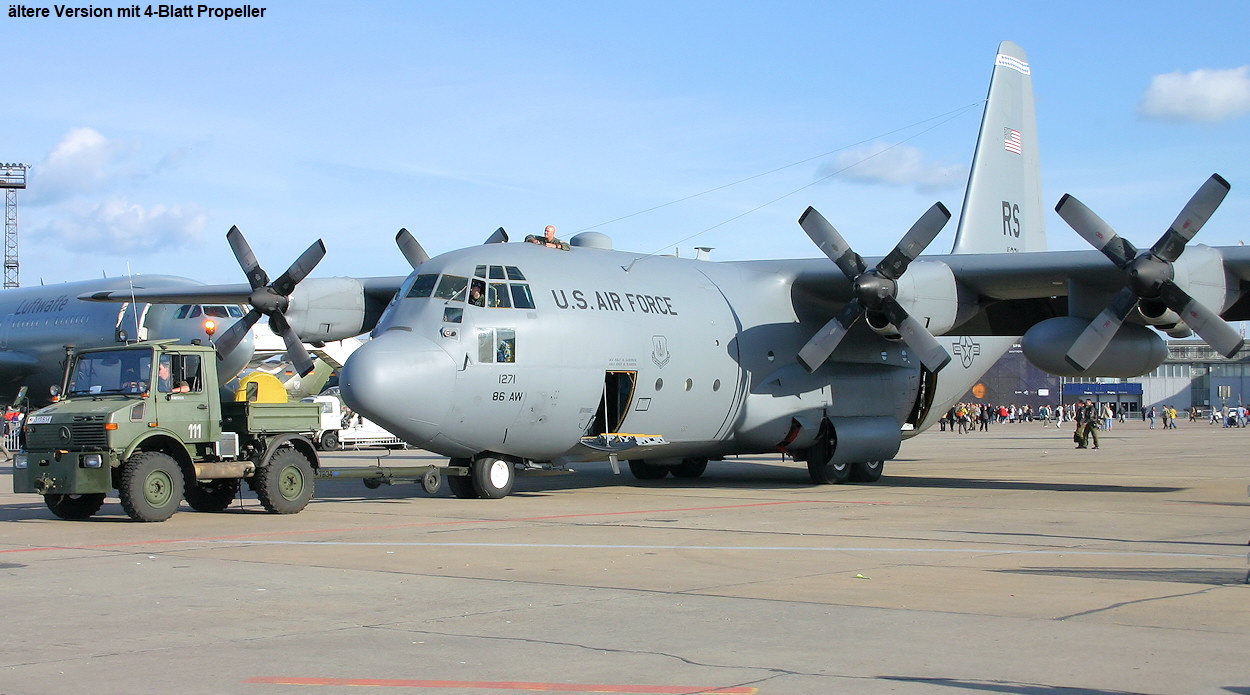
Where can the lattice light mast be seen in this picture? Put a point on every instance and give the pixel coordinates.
(12, 179)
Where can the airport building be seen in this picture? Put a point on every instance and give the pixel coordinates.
(1192, 375)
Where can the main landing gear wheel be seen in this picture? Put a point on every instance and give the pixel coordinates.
(690, 468)
(211, 495)
(285, 484)
(492, 477)
(827, 473)
(151, 486)
(74, 507)
(867, 471)
(647, 471)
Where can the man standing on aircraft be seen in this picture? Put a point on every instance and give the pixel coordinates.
(548, 239)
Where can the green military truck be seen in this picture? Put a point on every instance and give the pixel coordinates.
(147, 420)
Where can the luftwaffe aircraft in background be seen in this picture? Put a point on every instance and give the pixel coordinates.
(37, 324)
(505, 356)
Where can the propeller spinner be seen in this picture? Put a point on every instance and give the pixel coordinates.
(1149, 274)
(271, 299)
(876, 289)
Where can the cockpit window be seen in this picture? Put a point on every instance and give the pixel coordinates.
(452, 287)
(521, 297)
(496, 272)
(423, 286)
(235, 310)
(480, 272)
(182, 311)
(514, 273)
(216, 312)
(497, 295)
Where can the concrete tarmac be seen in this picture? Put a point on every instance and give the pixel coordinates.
(1003, 562)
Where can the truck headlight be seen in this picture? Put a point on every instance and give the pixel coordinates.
(19, 460)
(92, 461)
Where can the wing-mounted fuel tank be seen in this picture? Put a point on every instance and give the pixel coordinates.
(1135, 349)
(325, 309)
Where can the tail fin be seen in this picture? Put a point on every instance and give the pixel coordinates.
(1003, 205)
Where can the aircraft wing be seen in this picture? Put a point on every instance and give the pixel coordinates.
(238, 293)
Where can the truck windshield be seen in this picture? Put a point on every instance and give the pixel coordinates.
(114, 371)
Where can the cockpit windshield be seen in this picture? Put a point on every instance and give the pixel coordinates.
(495, 286)
(114, 371)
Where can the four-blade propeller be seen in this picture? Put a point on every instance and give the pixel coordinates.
(1149, 274)
(875, 290)
(270, 299)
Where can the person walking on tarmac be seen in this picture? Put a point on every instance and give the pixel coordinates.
(1086, 424)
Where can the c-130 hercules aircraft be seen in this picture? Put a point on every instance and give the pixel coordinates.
(833, 362)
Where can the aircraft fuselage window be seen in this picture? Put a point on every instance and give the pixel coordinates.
(424, 285)
(496, 345)
(452, 287)
(453, 314)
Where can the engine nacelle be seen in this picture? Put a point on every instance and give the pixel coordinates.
(325, 309)
(927, 291)
(1135, 350)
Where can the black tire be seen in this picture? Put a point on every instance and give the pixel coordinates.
(285, 484)
(373, 483)
(647, 471)
(829, 473)
(461, 486)
(492, 477)
(211, 495)
(867, 471)
(151, 486)
(690, 468)
(329, 441)
(75, 507)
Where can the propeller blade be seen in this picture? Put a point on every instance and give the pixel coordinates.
(411, 248)
(921, 234)
(831, 243)
(256, 276)
(295, 350)
(1098, 334)
(826, 340)
(228, 341)
(1214, 330)
(499, 237)
(1099, 234)
(1195, 214)
(285, 284)
(914, 333)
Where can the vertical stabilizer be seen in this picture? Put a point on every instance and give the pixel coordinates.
(1003, 205)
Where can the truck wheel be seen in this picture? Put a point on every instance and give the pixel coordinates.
(151, 486)
(492, 477)
(211, 495)
(329, 441)
(75, 507)
(285, 484)
(431, 481)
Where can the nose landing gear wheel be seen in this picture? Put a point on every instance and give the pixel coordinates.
(492, 477)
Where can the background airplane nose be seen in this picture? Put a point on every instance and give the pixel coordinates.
(402, 382)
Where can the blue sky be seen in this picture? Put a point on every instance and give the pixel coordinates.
(348, 120)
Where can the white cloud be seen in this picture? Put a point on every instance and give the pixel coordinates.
(1201, 95)
(118, 227)
(82, 162)
(898, 165)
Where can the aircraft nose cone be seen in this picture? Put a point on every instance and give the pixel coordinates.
(403, 383)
